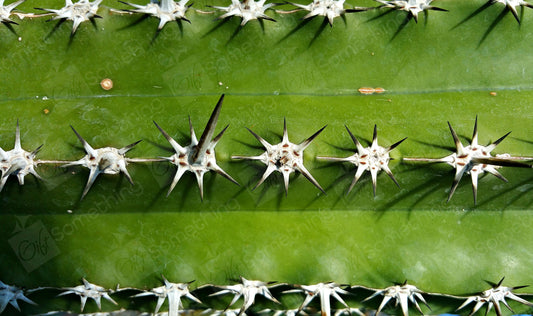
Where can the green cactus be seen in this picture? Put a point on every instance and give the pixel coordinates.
(307, 73)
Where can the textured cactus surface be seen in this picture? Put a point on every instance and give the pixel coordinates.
(309, 74)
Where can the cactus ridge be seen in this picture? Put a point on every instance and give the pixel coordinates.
(402, 294)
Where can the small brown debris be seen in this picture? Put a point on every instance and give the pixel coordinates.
(106, 84)
(369, 90)
(366, 90)
(46, 111)
(493, 93)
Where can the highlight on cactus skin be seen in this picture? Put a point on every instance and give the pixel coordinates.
(89, 290)
(493, 297)
(247, 10)
(165, 10)
(106, 160)
(329, 9)
(373, 159)
(199, 157)
(475, 160)
(78, 12)
(248, 289)
(284, 157)
(10, 295)
(325, 291)
(174, 292)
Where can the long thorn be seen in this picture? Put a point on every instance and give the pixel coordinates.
(303, 145)
(458, 144)
(391, 147)
(209, 131)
